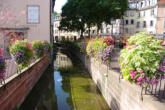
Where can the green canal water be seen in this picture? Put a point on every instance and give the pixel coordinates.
(65, 86)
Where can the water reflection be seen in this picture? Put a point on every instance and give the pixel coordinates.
(67, 87)
(42, 96)
(60, 93)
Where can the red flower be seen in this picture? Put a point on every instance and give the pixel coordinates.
(1, 51)
(46, 41)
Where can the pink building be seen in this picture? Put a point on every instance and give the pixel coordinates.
(25, 19)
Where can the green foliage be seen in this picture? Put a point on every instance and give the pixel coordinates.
(144, 53)
(95, 47)
(55, 13)
(38, 48)
(101, 49)
(76, 14)
(21, 52)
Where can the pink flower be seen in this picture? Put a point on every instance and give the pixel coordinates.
(131, 72)
(138, 83)
(141, 71)
(134, 46)
(155, 82)
(139, 79)
(1, 51)
(133, 75)
(159, 51)
(2, 75)
(163, 43)
(135, 72)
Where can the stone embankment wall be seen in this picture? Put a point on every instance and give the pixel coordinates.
(119, 94)
(17, 87)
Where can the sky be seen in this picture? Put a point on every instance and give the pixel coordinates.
(59, 4)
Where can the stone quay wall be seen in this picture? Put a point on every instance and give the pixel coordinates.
(118, 93)
(17, 87)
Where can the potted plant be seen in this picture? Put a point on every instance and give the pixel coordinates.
(21, 52)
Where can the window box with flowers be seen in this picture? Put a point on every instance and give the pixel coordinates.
(101, 49)
(22, 53)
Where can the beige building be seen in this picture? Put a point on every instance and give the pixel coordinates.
(61, 35)
(25, 19)
(145, 16)
(130, 22)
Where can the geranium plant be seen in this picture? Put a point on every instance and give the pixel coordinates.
(22, 52)
(38, 48)
(142, 61)
(2, 65)
(109, 41)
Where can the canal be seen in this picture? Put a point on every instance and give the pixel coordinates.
(65, 86)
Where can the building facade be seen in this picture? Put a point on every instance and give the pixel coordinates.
(145, 16)
(25, 19)
(61, 34)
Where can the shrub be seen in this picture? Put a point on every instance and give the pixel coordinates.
(38, 48)
(142, 61)
(22, 52)
(2, 65)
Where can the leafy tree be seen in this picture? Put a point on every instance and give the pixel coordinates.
(79, 14)
(55, 13)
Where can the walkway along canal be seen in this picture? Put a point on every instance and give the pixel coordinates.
(66, 86)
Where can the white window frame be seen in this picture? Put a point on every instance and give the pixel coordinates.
(33, 14)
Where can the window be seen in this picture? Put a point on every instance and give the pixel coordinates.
(139, 14)
(33, 14)
(144, 24)
(131, 14)
(126, 14)
(141, 4)
(163, 34)
(126, 22)
(151, 23)
(138, 24)
(126, 30)
(107, 30)
(152, 12)
(132, 21)
(144, 13)
(131, 31)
